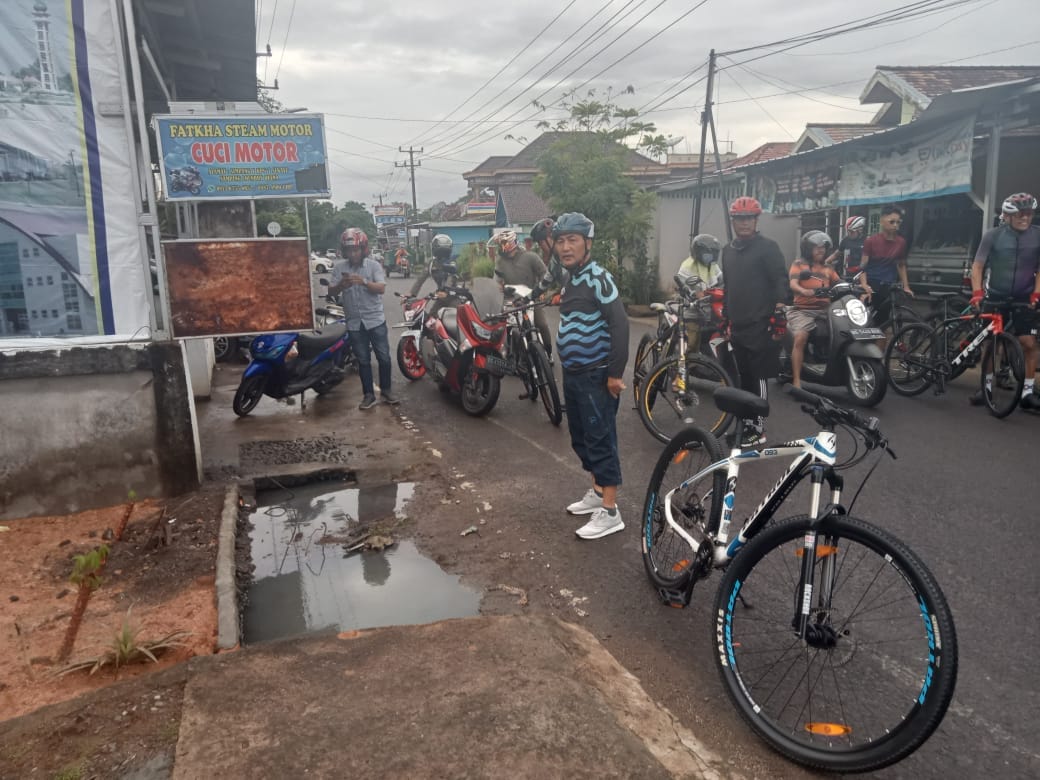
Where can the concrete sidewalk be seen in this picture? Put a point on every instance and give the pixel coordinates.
(481, 697)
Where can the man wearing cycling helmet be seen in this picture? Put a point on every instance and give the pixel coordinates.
(556, 276)
(593, 348)
(362, 282)
(513, 266)
(808, 309)
(1007, 268)
(754, 297)
(846, 258)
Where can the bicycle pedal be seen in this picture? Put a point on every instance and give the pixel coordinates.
(678, 599)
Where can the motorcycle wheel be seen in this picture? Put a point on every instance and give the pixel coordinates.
(480, 393)
(867, 381)
(249, 394)
(409, 360)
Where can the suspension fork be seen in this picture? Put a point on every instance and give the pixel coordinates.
(811, 594)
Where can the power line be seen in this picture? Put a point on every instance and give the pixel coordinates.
(760, 106)
(764, 78)
(599, 32)
(285, 43)
(358, 137)
(498, 73)
(608, 67)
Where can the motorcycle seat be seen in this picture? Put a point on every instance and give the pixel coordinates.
(312, 344)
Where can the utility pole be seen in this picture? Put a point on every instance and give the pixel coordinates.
(411, 165)
(380, 195)
(695, 221)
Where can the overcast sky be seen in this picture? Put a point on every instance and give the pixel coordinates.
(407, 64)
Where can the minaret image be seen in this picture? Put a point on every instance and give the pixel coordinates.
(43, 46)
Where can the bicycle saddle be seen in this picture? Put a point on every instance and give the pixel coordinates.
(741, 403)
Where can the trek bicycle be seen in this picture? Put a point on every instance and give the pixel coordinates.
(920, 356)
(833, 639)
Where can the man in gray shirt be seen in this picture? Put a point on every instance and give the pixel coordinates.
(515, 267)
(360, 281)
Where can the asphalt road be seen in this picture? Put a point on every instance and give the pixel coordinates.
(963, 494)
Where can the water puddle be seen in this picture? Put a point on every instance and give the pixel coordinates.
(306, 579)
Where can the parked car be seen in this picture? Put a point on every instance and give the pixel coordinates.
(321, 265)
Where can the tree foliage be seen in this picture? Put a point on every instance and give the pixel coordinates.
(585, 171)
(326, 220)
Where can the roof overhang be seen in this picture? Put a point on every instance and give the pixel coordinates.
(886, 87)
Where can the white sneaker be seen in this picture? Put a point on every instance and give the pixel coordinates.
(588, 504)
(601, 524)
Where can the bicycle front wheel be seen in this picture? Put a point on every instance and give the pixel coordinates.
(542, 376)
(909, 358)
(875, 674)
(668, 403)
(1009, 370)
(648, 352)
(696, 507)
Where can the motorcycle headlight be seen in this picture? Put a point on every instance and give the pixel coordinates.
(857, 311)
(482, 332)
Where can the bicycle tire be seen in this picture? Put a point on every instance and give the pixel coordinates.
(910, 359)
(647, 354)
(883, 685)
(547, 388)
(903, 316)
(698, 507)
(1009, 369)
(666, 408)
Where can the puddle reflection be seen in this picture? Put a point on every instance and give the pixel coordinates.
(306, 580)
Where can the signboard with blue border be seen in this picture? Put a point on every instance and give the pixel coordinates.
(242, 157)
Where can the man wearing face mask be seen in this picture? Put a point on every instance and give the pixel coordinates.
(756, 290)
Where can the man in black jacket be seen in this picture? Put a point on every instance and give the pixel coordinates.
(755, 293)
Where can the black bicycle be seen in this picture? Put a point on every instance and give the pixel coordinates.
(526, 355)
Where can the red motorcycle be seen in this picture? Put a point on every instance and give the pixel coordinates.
(408, 358)
(462, 352)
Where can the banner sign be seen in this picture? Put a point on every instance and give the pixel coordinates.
(237, 157)
(934, 164)
(809, 185)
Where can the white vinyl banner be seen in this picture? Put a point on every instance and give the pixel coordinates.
(933, 164)
(70, 254)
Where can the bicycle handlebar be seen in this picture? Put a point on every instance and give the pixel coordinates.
(827, 413)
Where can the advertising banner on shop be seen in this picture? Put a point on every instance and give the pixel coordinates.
(931, 164)
(71, 261)
(805, 185)
(237, 157)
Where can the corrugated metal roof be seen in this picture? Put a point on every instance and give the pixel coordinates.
(845, 131)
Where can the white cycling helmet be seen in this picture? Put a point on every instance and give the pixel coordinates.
(1019, 202)
(855, 223)
(506, 241)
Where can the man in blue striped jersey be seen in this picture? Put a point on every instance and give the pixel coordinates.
(593, 348)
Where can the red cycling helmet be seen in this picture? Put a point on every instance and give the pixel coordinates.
(745, 207)
(855, 223)
(353, 237)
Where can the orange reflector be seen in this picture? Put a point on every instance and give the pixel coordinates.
(828, 729)
(680, 565)
(822, 551)
(680, 456)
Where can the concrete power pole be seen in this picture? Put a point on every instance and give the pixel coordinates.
(412, 164)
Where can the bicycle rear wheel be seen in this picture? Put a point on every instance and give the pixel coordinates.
(1009, 370)
(647, 354)
(909, 358)
(875, 675)
(667, 557)
(667, 403)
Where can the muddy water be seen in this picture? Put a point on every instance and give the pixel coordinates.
(306, 580)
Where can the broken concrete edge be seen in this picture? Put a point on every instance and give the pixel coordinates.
(227, 596)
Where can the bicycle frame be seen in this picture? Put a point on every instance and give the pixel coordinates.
(813, 456)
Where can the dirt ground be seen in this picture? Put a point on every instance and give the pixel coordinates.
(162, 571)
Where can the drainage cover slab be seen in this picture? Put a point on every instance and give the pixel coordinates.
(313, 571)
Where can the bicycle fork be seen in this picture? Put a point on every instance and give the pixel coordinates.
(811, 621)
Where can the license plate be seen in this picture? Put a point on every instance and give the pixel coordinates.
(497, 365)
(866, 334)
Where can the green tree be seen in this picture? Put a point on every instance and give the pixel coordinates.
(585, 171)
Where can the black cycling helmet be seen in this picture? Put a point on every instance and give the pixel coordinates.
(573, 222)
(705, 248)
(542, 230)
(441, 246)
(813, 239)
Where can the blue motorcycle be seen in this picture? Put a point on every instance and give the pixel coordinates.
(284, 364)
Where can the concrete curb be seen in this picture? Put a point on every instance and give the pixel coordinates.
(227, 595)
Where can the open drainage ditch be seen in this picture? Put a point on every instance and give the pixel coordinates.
(318, 566)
